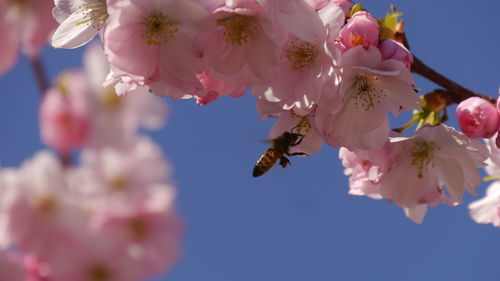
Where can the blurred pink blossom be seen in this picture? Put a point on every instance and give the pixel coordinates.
(23, 24)
(64, 113)
(11, 268)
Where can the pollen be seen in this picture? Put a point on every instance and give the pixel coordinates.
(138, 228)
(365, 92)
(45, 206)
(422, 155)
(301, 53)
(110, 99)
(118, 183)
(159, 28)
(94, 14)
(238, 28)
(99, 272)
(356, 40)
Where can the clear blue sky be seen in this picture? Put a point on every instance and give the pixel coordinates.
(299, 223)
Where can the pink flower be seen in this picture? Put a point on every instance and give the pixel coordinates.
(80, 21)
(153, 39)
(487, 209)
(10, 268)
(25, 24)
(361, 30)
(432, 157)
(243, 48)
(216, 88)
(64, 116)
(115, 120)
(365, 169)
(478, 118)
(355, 115)
(149, 229)
(116, 173)
(95, 258)
(44, 217)
(345, 5)
(391, 49)
(305, 66)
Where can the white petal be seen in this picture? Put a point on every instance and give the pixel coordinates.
(72, 33)
(417, 213)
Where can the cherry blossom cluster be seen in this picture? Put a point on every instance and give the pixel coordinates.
(112, 216)
(479, 118)
(326, 69)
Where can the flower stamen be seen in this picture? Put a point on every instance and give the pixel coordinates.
(94, 14)
(301, 54)
(422, 155)
(238, 28)
(366, 95)
(159, 28)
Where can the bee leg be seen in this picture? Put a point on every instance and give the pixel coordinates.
(284, 162)
(299, 140)
(297, 153)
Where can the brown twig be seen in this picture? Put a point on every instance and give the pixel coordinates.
(40, 75)
(456, 92)
(43, 85)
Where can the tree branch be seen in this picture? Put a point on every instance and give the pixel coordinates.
(456, 92)
(43, 85)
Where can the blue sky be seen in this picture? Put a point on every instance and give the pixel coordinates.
(299, 223)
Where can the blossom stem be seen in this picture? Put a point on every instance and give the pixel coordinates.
(43, 85)
(40, 75)
(456, 92)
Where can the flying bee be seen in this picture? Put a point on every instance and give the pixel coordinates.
(279, 148)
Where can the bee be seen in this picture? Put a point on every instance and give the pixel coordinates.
(279, 148)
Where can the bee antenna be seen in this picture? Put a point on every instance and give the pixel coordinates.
(291, 131)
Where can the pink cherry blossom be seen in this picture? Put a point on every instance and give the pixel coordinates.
(345, 5)
(216, 88)
(365, 168)
(355, 116)
(305, 66)
(44, 218)
(148, 229)
(64, 113)
(391, 49)
(487, 209)
(111, 173)
(11, 269)
(115, 120)
(361, 30)
(26, 25)
(478, 118)
(95, 258)
(243, 48)
(153, 39)
(432, 157)
(80, 21)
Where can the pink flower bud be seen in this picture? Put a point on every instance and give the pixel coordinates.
(478, 118)
(391, 49)
(360, 30)
(64, 119)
